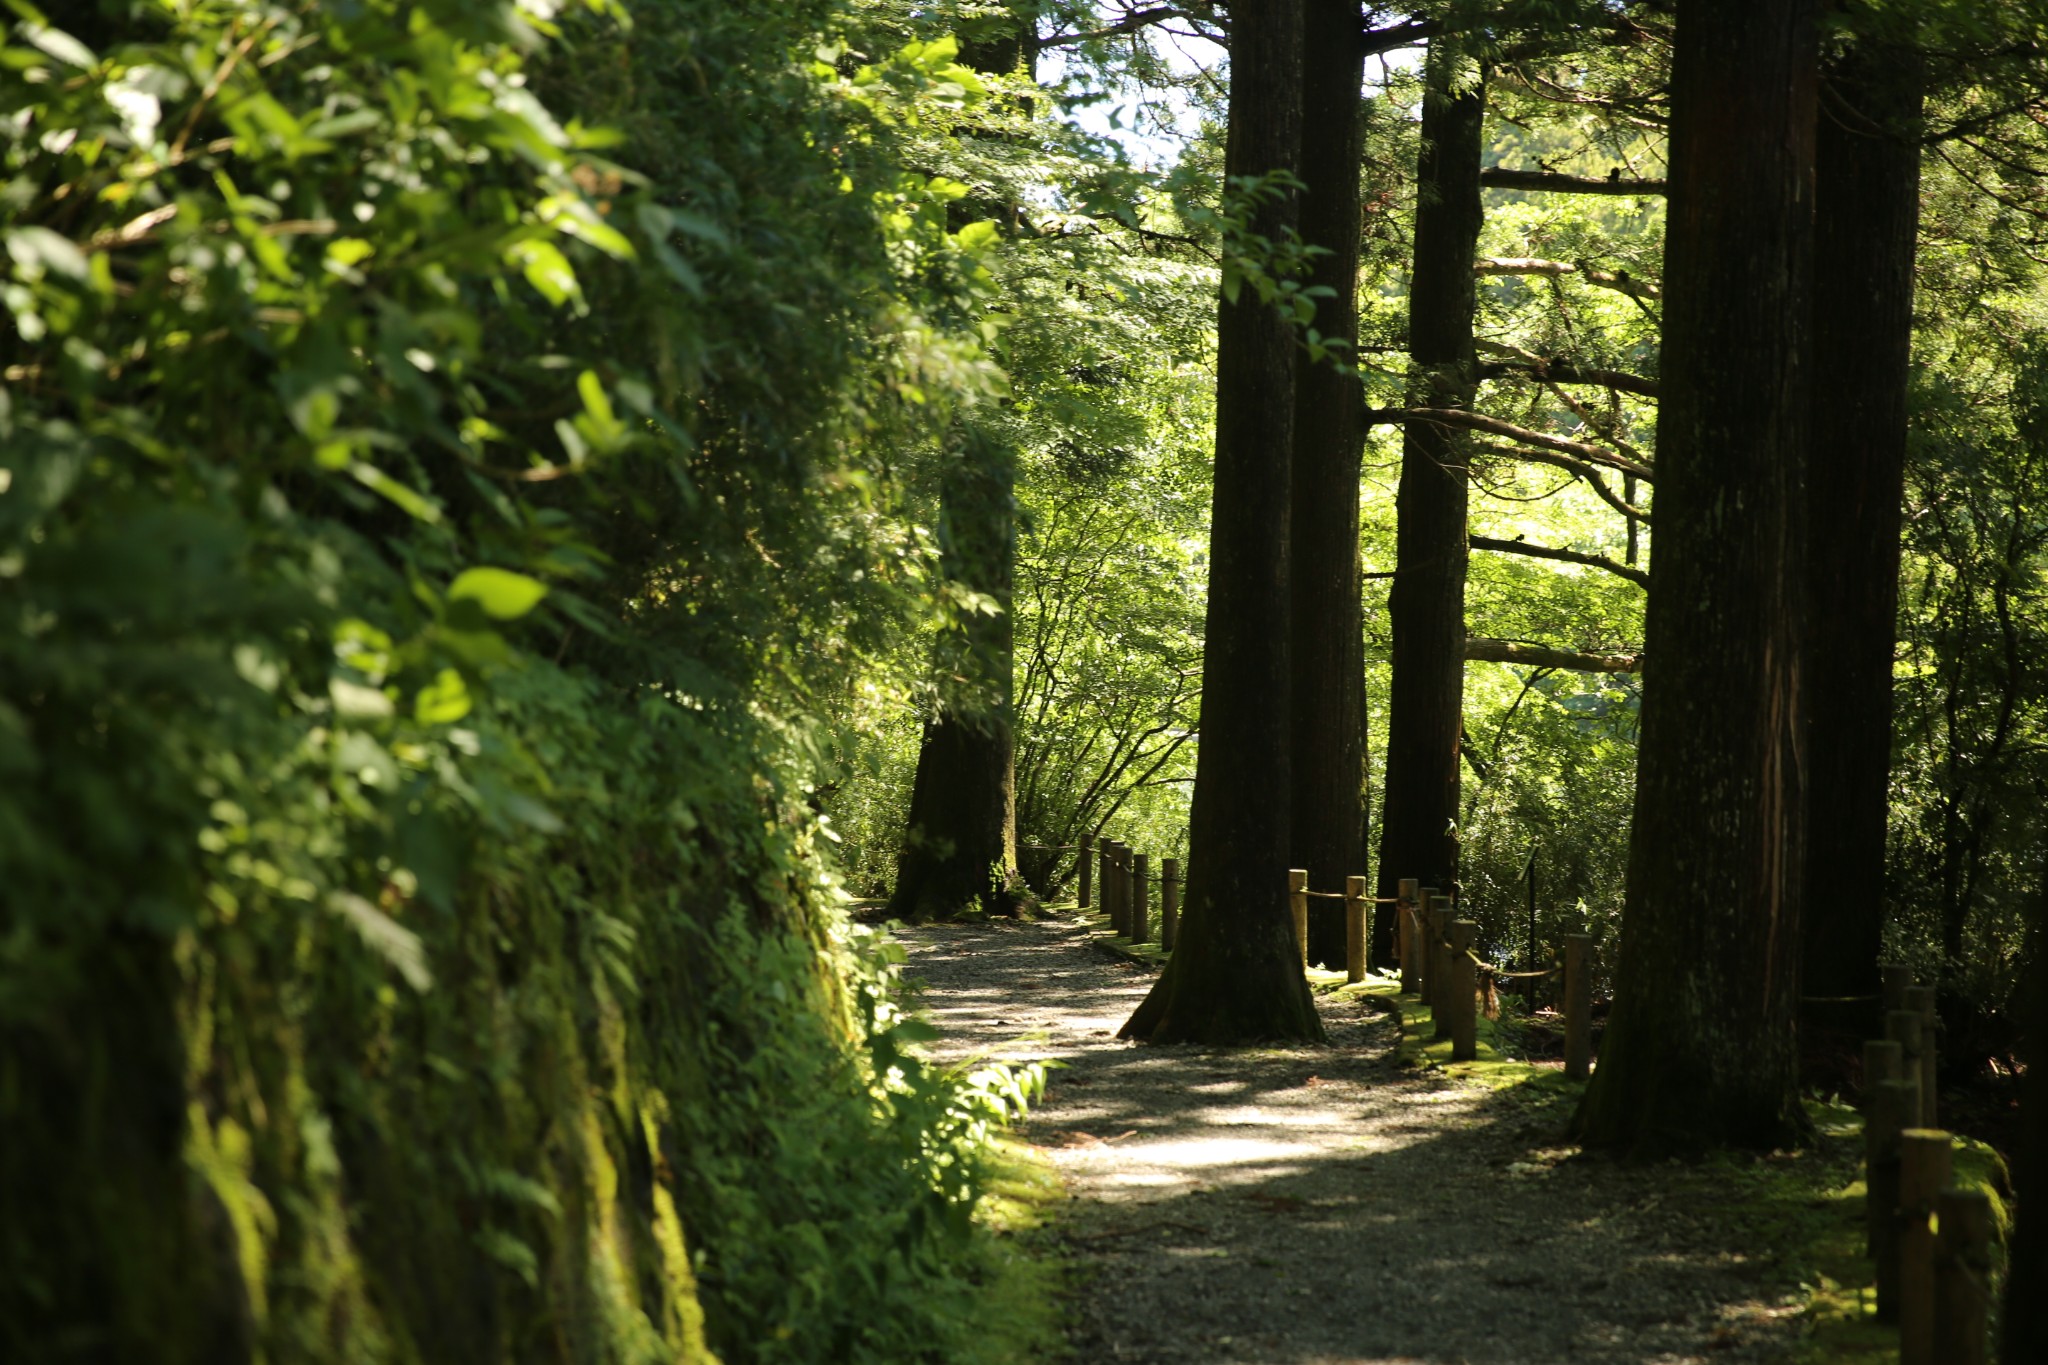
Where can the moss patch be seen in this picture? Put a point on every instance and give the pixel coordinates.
(1022, 1273)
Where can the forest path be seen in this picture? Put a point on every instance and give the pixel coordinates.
(1309, 1206)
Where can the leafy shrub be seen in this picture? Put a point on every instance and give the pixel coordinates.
(426, 542)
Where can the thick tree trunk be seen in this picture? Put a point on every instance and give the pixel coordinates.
(1701, 1046)
(1418, 822)
(2026, 1308)
(960, 848)
(1866, 219)
(1235, 976)
(1328, 635)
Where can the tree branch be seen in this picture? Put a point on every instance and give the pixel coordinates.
(1484, 650)
(1555, 182)
(1619, 281)
(1493, 426)
(1565, 372)
(1523, 547)
(1578, 467)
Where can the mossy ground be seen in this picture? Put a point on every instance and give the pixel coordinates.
(1022, 1272)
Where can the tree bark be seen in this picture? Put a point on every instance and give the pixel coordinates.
(1327, 648)
(960, 847)
(1235, 976)
(1866, 220)
(1426, 609)
(2026, 1308)
(1701, 1047)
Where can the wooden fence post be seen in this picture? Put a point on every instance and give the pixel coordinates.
(1896, 979)
(1962, 1277)
(1141, 897)
(1440, 965)
(1105, 885)
(1890, 1114)
(1880, 1064)
(1578, 1006)
(1354, 928)
(1464, 987)
(1921, 1001)
(1406, 937)
(1126, 898)
(1923, 1171)
(1297, 904)
(1425, 960)
(1169, 903)
(1903, 1027)
(1082, 867)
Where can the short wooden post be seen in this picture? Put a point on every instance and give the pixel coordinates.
(1923, 1171)
(1106, 859)
(1880, 1064)
(1354, 928)
(1141, 897)
(1903, 1027)
(1126, 895)
(1888, 1114)
(1169, 903)
(1440, 965)
(1082, 867)
(1425, 959)
(1464, 990)
(1578, 1006)
(1896, 979)
(1297, 904)
(1962, 1277)
(1920, 1000)
(1406, 937)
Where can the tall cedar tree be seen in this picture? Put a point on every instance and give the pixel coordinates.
(1235, 975)
(2026, 1271)
(1701, 1046)
(960, 848)
(1426, 610)
(960, 843)
(1866, 219)
(1327, 648)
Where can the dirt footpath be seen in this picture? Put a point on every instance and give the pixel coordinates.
(1318, 1205)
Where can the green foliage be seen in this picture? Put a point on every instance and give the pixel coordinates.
(428, 522)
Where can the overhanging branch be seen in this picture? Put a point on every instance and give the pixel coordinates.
(1523, 547)
(1493, 426)
(1620, 281)
(1482, 650)
(1499, 179)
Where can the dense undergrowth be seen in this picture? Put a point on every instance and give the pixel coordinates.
(450, 461)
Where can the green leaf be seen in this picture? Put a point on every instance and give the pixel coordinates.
(38, 251)
(443, 701)
(353, 701)
(55, 42)
(385, 937)
(547, 270)
(503, 595)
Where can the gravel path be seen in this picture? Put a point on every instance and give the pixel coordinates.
(1317, 1205)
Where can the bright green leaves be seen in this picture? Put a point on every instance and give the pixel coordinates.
(499, 593)
(443, 701)
(548, 271)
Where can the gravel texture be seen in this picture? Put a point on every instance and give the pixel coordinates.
(1318, 1204)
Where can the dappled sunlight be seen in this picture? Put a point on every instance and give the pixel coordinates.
(1393, 1216)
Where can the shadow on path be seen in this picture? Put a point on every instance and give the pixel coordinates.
(1318, 1205)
